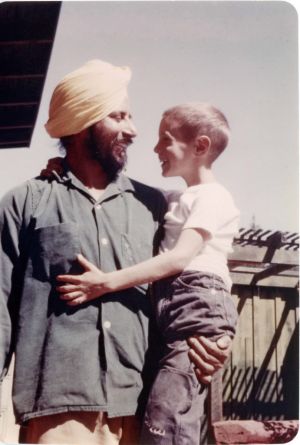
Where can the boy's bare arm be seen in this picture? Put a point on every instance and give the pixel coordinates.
(94, 283)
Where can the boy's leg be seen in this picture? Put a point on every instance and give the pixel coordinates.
(192, 303)
(175, 403)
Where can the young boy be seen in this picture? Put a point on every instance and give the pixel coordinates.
(191, 290)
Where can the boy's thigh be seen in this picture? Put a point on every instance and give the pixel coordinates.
(174, 408)
(196, 303)
(83, 427)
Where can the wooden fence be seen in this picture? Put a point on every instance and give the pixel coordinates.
(261, 380)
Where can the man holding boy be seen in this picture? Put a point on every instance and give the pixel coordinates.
(79, 371)
(191, 280)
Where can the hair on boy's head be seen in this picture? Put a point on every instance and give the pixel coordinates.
(198, 119)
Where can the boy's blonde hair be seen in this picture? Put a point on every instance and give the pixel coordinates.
(200, 119)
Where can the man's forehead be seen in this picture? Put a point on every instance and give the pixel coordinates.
(123, 107)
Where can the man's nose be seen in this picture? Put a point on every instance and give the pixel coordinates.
(130, 129)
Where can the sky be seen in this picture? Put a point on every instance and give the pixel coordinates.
(241, 56)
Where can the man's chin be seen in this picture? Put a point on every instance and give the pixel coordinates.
(112, 166)
(120, 162)
(113, 171)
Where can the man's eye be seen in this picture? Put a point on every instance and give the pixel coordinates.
(116, 117)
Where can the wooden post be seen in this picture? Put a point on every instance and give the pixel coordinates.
(215, 408)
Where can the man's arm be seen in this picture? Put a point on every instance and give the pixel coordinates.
(11, 218)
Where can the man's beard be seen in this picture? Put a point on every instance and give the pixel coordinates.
(104, 150)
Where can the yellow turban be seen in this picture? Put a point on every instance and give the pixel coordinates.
(85, 96)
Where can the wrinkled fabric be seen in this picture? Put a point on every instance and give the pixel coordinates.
(190, 303)
(176, 401)
(86, 96)
(85, 358)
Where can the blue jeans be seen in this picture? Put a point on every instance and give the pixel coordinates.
(188, 304)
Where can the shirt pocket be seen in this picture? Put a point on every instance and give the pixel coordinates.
(134, 252)
(53, 251)
(136, 248)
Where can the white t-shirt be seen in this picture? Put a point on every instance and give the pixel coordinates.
(209, 207)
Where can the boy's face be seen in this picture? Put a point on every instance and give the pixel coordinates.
(175, 154)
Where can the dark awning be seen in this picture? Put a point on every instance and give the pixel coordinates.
(27, 31)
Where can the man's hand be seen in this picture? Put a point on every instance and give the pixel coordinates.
(208, 356)
(53, 164)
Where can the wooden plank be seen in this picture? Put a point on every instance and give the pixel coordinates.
(281, 314)
(273, 281)
(215, 394)
(248, 253)
(257, 254)
(228, 376)
(271, 271)
(241, 278)
(237, 403)
(283, 256)
(279, 281)
(264, 352)
(273, 335)
(287, 353)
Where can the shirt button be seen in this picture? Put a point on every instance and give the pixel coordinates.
(98, 206)
(104, 241)
(107, 324)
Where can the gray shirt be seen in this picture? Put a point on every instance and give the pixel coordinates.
(85, 358)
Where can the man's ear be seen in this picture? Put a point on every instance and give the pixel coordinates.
(202, 145)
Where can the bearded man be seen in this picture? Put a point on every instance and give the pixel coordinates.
(80, 371)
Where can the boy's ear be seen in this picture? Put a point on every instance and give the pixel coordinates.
(202, 145)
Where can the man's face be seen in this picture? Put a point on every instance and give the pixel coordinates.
(109, 139)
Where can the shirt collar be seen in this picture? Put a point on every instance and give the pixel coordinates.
(119, 185)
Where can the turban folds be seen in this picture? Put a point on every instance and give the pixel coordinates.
(86, 96)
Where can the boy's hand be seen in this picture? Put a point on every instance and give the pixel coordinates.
(53, 164)
(208, 356)
(81, 288)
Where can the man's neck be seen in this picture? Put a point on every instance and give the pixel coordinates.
(89, 172)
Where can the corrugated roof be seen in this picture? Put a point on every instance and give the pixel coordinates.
(27, 31)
